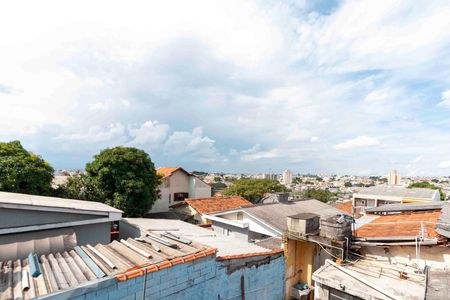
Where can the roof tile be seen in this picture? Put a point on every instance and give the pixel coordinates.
(216, 204)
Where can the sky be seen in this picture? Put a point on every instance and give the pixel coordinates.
(342, 87)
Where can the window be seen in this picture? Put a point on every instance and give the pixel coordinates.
(180, 196)
(340, 295)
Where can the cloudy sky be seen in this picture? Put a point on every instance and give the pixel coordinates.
(356, 87)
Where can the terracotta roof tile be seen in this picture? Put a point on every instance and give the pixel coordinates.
(215, 204)
(403, 224)
(167, 171)
(345, 206)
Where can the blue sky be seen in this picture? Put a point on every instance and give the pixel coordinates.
(357, 87)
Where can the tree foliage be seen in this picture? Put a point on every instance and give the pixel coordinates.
(428, 185)
(253, 189)
(24, 172)
(122, 177)
(321, 195)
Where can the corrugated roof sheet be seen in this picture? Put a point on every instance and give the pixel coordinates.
(216, 204)
(54, 202)
(407, 224)
(275, 214)
(69, 269)
(398, 191)
(399, 207)
(443, 226)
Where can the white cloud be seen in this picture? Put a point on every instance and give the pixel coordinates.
(444, 164)
(445, 100)
(96, 134)
(314, 139)
(260, 155)
(150, 134)
(358, 142)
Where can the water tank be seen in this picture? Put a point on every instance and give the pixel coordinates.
(303, 224)
(336, 227)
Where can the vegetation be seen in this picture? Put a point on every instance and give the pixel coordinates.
(427, 185)
(24, 172)
(348, 184)
(321, 195)
(253, 189)
(122, 177)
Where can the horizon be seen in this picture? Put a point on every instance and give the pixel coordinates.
(338, 87)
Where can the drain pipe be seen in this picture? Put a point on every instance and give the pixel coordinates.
(366, 282)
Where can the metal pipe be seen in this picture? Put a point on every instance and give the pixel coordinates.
(133, 247)
(25, 281)
(107, 261)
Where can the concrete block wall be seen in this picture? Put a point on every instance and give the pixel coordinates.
(204, 278)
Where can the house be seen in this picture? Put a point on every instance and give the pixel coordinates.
(197, 208)
(413, 234)
(177, 185)
(41, 224)
(368, 279)
(379, 195)
(176, 260)
(259, 222)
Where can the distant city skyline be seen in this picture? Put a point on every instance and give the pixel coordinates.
(338, 87)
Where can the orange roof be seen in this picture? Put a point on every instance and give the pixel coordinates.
(215, 204)
(403, 224)
(167, 171)
(345, 206)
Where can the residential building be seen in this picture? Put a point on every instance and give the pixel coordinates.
(287, 177)
(167, 263)
(258, 222)
(40, 224)
(196, 208)
(394, 178)
(177, 185)
(375, 196)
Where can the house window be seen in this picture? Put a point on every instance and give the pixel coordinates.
(180, 196)
(339, 295)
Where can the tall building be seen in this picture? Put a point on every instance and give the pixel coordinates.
(287, 177)
(394, 177)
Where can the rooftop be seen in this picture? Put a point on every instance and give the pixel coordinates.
(69, 269)
(399, 207)
(406, 224)
(384, 279)
(345, 206)
(215, 204)
(275, 214)
(168, 171)
(399, 191)
(24, 201)
(225, 245)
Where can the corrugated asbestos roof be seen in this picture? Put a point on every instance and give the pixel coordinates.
(398, 191)
(54, 202)
(69, 269)
(443, 226)
(275, 214)
(399, 207)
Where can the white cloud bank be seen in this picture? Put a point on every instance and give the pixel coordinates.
(358, 142)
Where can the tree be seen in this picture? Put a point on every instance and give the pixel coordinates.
(348, 184)
(253, 189)
(428, 185)
(321, 195)
(128, 179)
(22, 171)
(82, 187)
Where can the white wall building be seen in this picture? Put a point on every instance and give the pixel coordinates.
(287, 177)
(177, 185)
(394, 177)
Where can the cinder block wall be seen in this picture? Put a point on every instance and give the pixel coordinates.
(205, 278)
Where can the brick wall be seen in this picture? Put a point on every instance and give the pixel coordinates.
(205, 278)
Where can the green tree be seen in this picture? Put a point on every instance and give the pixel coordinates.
(321, 195)
(428, 185)
(82, 187)
(127, 178)
(348, 184)
(253, 189)
(24, 172)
